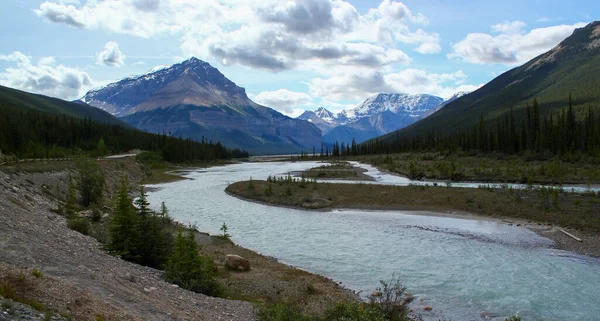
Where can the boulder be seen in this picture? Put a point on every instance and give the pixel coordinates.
(85, 213)
(427, 308)
(236, 262)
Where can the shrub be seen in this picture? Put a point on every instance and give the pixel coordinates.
(268, 190)
(280, 312)
(189, 270)
(79, 224)
(96, 213)
(37, 273)
(389, 299)
(355, 311)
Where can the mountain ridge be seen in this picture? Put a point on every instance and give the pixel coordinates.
(379, 114)
(195, 100)
(570, 68)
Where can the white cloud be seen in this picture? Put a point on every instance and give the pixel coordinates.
(358, 85)
(45, 77)
(111, 55)
(271, 35)
(283, 100)
(512, 46)
(509, 27)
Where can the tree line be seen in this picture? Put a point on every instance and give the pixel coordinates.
(35, 134)
(563, 132)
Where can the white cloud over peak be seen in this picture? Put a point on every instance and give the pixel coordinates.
(356, 85)
(283, 100)
(512, 46)
(46, 77)
(111, 55)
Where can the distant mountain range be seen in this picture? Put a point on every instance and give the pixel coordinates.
(570, 68)
(193, 99)
(377, 115)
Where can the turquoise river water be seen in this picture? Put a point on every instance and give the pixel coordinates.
(465, 269)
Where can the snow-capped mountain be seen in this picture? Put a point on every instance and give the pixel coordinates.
(325, 119)
(377, 115)
(414, 105)
(192, 82)
(195, 100)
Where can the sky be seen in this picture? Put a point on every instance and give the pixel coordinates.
(291, 55)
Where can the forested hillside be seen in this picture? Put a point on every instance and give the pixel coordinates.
(570, 69)
(33, 126)
(558, 133)
(24, 100)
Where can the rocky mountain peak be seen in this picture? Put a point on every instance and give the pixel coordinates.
(191, 82)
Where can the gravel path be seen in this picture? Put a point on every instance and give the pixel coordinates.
(80, 278)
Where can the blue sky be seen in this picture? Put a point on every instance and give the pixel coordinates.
(289, 54)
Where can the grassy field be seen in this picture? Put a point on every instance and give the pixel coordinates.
(551, 206)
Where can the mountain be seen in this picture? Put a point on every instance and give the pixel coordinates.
(23, 100)
(324, 119)
(193, 99)
(381, 114)
(410, 105)
(444, 103)
(572, 67)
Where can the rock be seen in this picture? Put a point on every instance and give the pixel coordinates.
(487, 315)
(130, 278)
(237, 262)
(427, 308)
(86, 213)
(376, 294)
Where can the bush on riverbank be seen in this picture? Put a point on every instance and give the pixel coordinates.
(387, 303)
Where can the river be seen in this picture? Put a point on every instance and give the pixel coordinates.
(465, 269)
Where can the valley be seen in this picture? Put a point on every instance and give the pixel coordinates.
(307, 160)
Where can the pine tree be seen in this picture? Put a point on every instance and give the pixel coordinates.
(164, 212)
(91, 182)
(124, 236)
(188, 269)
(155, 240)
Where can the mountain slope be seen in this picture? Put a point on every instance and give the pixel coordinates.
(193, 99)
(22, 100)
(572, 67)
(381, 114)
